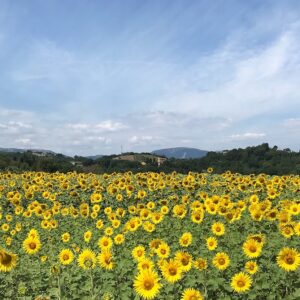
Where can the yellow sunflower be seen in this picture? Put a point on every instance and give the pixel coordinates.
(186, 239)
(185, 259)
(171, 270)
(197, 216)
(218, 229)
(87, 236)
(163, 250)
(145, 264)
(146, 284)
(8, 261)
(251, 267)
(241, 282)
(31, 245)
(288, 259)
(138, 252)
(191, 294)
(87, 259)
(66, 256)
(252, 248)
(221, 260)
(106, 260)
(105, 243)
(200, 264)
(211, 243)
(119, 239)
(65, 237)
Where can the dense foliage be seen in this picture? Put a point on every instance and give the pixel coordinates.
(251, 160)
(149, 236)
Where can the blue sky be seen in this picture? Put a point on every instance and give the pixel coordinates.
(85, 77)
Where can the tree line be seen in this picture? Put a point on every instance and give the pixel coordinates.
(251, 160)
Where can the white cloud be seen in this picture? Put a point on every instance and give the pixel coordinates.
(110, 126)
(247, 136)
(104, 126)
(24, 141)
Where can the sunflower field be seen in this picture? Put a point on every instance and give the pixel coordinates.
(149, 236)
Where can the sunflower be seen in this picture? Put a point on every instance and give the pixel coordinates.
(191, 294)
(200, 264)
(211, 243)
(8, 261)
(252, 248)
(145, 264)
(109, 231)
(119, 239)
(251, 267)
(65, 237)
(185, 259)
(66, 256)
(186, 239)
(87, 236)
(87, 259)
(138, 252)
(154, 244)
(171, 270)
(33, 233)
(105, 243)
(287, 230)
(148, 226)
(146, 284)
(197, 216)
(163, 250)
(105, 260)
(31, 245)
(218, 229)
(221, 260)
(99, 224)
(241, 282)
(288, 259)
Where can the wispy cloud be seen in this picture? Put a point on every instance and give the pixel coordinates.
(248, 136)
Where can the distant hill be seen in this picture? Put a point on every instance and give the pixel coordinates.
(17, 150)
(181, 152)
(94, 157)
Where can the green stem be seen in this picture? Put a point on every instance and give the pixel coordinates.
(92, 284)
(59, 288)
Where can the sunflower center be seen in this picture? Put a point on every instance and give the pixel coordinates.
(105, 243)
(252, 249)
(88, 263)
(241, 283)
(173, 271)
(289, 260)
(148, 284)
(32, 245)
(65, 256)
(163, 251)
(139, 253)
(221, 261)
(5, 258)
